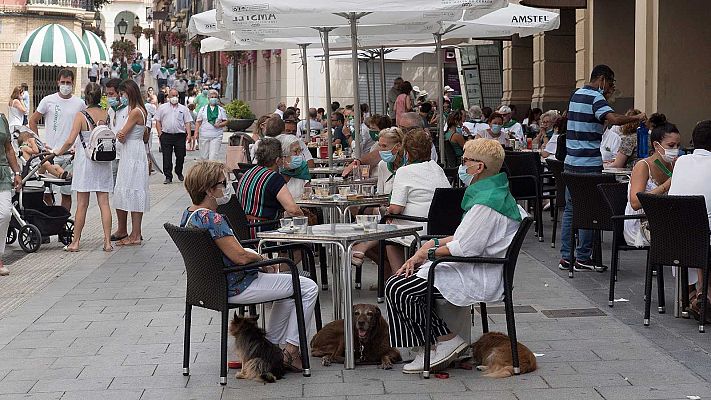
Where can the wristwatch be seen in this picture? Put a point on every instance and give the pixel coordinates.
(17, 173)
(431, 253)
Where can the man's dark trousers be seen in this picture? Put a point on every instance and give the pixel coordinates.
(170, 142)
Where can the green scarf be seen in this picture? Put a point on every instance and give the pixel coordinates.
(301, 173)
(136, 67)
(171, 71)
(494, 193)
(511, 123)
(163, 70)
(212, 113)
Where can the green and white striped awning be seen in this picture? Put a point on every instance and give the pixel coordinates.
(52, 45)
(98, 51)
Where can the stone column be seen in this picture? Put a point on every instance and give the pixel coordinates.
(646, 46)
(518, 73)
(554, 64)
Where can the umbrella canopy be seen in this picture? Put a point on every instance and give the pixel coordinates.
(523, 20)
(52, 45)
(205, 23)
(98, 51)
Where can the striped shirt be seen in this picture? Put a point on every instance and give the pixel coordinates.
(586, 115)
(257, 192)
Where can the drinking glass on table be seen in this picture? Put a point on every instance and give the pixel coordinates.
(370, 224)
(308, 193)
(300, 224)
(286, 222)
(364, 171)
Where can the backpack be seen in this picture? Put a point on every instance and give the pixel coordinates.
(101, 145)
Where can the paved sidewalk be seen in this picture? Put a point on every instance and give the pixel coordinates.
(110, 327)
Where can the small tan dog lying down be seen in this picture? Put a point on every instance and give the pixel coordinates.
(372, 343)
(492, 354)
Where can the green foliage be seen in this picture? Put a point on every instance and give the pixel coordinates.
(239, 109)
(124, 48)
(104, 103)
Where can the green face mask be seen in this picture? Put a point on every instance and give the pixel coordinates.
(374, 135)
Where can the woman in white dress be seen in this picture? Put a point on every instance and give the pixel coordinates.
(89, 176)
(16, 109)
(131, 190)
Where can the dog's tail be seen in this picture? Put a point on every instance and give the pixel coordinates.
(268, 377)
(501, 372)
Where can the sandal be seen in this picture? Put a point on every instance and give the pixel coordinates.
(289, 362)
(108, 249)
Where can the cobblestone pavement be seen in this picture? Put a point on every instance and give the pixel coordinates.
(110, 326)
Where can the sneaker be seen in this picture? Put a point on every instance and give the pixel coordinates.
(447, 351)
(4, 271)
(563, 265)
(587, 265)
(418, 364)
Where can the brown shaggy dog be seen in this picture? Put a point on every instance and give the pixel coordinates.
(372, 343)
(492, 353)
(262, 360)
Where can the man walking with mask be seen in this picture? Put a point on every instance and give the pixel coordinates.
(59, 110)
(173, 125)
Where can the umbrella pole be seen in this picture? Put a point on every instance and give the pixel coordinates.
(367, 81)
(440, 98)
(353, 19)
(382, 80)
(304, 67)
(327, 71)
(373, 106)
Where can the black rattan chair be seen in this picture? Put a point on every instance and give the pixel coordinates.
(509, 267)
(556, 168)
(207, 288)
(242, 228)
(679, 229)
(589, 212)
(442, 220)
(615, 195)
(526, 183)
(450, 157)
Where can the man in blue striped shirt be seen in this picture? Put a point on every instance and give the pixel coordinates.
(588, 112)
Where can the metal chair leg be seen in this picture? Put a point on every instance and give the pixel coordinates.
(555, 226)
(223, 346)
(381, 272)
(660, 290)
(484, 318)
(613, 270)
(647, 293)
(571, 258)
(511, 328)
(186, 339)
(324, 266)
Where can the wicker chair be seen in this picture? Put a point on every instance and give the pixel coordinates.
(509, 267)
(589, 212)
(242, 228)
(556, 168)
(526, 183)
(207, 288)
(679, 227)
(442, 219)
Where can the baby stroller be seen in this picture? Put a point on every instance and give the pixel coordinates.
(32, 220)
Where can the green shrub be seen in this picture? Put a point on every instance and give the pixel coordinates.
(239, 109)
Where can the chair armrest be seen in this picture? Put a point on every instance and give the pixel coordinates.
(403, 217)
(285, 247)
(478, 260)
(258, 264)
(428, 237)
(249, 242)
(522, 177)
(262, 223)
(628, 217)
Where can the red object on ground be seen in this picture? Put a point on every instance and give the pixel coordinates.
(442, 375)
(234, 364)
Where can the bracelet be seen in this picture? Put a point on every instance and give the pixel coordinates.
(436, 242)
(17, 173)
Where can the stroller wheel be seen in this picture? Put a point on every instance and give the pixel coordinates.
(11, 235)
(30, 238)
(67, 233)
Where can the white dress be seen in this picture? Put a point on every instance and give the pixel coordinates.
(131, 190)
(88, 175)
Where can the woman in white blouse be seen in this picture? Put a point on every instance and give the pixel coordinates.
(210, 126)
(490, 222)
(296, 174)
(16, 109)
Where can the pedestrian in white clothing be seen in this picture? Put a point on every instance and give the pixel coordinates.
(9, 179)
(210, 126)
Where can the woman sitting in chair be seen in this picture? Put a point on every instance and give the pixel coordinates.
(208, 187)
(490, 222)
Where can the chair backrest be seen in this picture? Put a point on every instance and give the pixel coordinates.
(679, 228)
(556, 167)
(518, 164)
(515, 248)
(207, 284)
(445, 212)
(615, 195)
(589, 208)
(236, 217)
(450, 157)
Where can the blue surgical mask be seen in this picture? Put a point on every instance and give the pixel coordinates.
(387, 156)
(465, 177)
(296, 162)
(459, 130)
(124, 100)
(496, 129)
(112, 102)
(213, 101)
(204, 92)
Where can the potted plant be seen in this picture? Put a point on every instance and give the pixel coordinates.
(240, 117)
(149, 33)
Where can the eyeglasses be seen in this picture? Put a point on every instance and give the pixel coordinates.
(466, 160)
(406, 129)
(222, 182)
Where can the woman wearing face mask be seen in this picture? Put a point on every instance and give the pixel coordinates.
(209, 127)
(89, 176)
(491, 219)
(549, 133)
(495, 122)
(651, 175)
(454, 133)
(131, 190)
(295, 171)
(208, 187)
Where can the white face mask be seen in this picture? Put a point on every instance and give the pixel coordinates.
(669, 155)
(226, 195)
(65, 90)
(173, 100)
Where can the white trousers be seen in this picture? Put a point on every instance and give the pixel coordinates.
(5, 215)
(282, 327)
(209, 148)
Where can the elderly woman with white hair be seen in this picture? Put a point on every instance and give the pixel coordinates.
(295, 171)
(476, 122)
(548, 135)
(491, 219)
(210, 126)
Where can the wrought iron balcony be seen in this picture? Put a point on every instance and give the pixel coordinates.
(60, 6)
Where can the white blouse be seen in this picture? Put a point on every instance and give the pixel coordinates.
(385, 178)
(482, 232)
